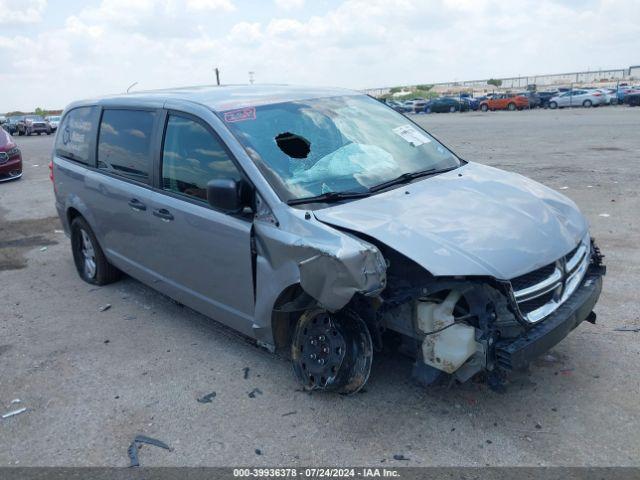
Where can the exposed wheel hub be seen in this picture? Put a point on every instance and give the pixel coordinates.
(331, 352)
(322, 347)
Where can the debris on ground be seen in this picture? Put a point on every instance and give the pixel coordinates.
(208, 398)
(14, 412)
(400, 457)
(132, 451)
(254, 392)
(15, 400)
(245, 373)
(104, 308)
(258, 451)
(43, 249)
(289, 413)
(604, 215)
(627, 329)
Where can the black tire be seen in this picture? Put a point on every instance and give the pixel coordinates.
(553, 105)
(102, 272)
(511, 107)
(587, 104)
(484, 107)
(427, 110)
(452, 109)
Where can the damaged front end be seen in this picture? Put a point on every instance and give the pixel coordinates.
(458, 327)
(351, 295)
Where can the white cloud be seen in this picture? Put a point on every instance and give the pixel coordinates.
(224, 5)
(359, 43)
(21, 11)
(289, 4)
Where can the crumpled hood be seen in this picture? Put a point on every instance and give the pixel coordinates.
(475, 220)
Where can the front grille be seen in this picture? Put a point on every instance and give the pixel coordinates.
(532, 278)
(529, 306)
(4, 157)
(542, 291)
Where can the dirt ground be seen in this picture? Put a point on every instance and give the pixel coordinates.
(93, 377)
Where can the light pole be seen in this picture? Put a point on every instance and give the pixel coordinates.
(131, 86)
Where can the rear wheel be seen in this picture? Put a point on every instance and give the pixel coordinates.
(553, 105)
(331, 352)
(511, 106)
(427, 110)
(484, 107)
(93, 267)
(587, 104)
(452, 109)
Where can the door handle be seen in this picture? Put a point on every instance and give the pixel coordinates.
(163, 214)
(136, 204)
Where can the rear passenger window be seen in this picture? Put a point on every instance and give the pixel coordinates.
(191, 157)
(74, 135)
(124, 143)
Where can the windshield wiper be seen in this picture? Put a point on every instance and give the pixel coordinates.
(407, 177)
(328, 197)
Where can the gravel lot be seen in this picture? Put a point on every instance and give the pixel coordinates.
(91, 380)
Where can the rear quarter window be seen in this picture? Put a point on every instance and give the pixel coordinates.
(74, 137)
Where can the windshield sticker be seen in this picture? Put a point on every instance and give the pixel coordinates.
(412, 135)
(240, 115)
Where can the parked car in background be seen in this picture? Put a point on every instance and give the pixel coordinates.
(577, 98)
(622, 92)
(30, 124)
(609, 94)
(632, 99)
(445, 104)
(545, 97)
(534, 99)
(10, 158)
(53, 120)
(11, 125)
(504, 101)
(323, 223)
(3, 119)
(472, 103)
(419, 106)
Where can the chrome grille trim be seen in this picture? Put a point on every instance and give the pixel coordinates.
(565, 279)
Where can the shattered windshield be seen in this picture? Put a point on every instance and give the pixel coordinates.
(338, 144)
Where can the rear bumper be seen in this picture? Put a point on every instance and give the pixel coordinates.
(517, 353)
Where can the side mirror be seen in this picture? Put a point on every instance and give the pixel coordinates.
(226, 194)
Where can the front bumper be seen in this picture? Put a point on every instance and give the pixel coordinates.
(11, 169)
(517, 353)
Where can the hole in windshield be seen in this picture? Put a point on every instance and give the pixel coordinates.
(293, 145)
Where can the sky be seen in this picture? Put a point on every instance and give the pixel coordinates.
(53, 52)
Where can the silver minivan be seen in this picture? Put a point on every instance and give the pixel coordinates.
(323, 223)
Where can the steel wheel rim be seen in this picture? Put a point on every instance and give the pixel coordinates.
(88, 255)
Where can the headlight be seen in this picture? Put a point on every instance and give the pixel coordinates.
(13, 152)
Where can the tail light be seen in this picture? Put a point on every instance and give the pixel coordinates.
(596, 94)
(51, 170)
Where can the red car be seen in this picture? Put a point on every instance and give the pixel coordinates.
(505, 101)
(10, 158)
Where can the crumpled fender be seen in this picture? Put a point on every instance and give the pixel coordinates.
(333, 278)
(330, 265)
